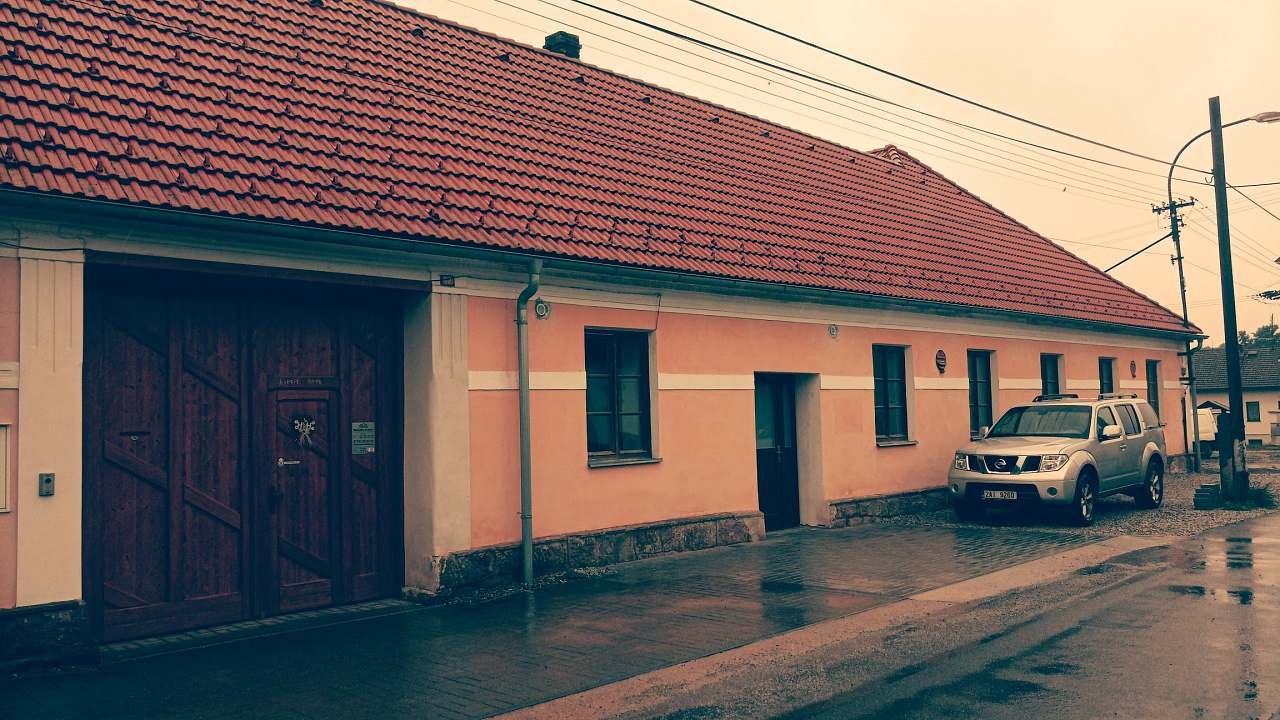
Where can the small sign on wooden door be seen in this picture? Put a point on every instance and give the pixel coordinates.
(363, 438)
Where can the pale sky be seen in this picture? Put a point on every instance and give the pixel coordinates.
(1136, 75)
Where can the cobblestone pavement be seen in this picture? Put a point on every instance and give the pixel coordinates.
(475, 661)
(1118, 514)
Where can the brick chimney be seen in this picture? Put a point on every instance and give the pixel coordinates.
(564, 43)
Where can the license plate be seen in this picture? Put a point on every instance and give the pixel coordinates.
(999, 494)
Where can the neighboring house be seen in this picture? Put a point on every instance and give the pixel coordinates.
(1260, 378)
(262, 268)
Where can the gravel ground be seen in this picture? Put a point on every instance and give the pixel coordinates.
(1118, 515)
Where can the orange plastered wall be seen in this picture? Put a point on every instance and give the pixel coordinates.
(9, 416)
(706, 437)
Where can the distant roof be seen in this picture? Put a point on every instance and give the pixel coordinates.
(1259, 368)
(360, 115)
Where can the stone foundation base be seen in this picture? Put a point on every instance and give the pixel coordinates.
(45, 635)
(855, 511)
(499, 565)
(1181, 463)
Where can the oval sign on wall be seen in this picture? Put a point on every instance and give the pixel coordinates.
(1133, 368)
(941, 360)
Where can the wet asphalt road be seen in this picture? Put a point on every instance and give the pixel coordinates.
(461, 662)
(1196, 638)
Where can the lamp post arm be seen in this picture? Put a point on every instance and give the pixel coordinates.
(1174, 164)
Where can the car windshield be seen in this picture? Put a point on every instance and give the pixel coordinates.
(1070, 421)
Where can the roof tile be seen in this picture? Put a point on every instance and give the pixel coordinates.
(342, 116)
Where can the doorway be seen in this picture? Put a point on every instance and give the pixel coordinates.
(231, 468)
(777, 467)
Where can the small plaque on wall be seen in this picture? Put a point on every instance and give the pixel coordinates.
(363, 438)
(4, 468)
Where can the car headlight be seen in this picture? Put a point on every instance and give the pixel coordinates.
(1049, 463)
(961, 462)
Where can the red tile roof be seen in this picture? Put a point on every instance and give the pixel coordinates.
(356, 114)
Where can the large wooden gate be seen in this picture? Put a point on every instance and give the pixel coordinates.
(242, 449)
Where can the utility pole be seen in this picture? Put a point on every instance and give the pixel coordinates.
(1235, 476)
(1175, 227)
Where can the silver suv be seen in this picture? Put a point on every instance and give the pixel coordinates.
(1063, 451)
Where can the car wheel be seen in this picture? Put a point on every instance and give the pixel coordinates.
(1080, 513)
(1151, 494)
(967, 511)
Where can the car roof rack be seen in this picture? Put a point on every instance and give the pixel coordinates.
(1117, 396)
(1055, 396)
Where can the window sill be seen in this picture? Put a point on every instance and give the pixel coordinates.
(616, 462)
(895, 443)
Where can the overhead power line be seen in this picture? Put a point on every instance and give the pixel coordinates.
(1075, 182)
(803, 74)
(1255, 202)
(1010, 141)
(926, 86)
(1136, 253)
(1123, 187)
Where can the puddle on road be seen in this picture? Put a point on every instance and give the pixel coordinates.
(780, 586)
(1239, 596)
(1055, 668)
(1244, 596)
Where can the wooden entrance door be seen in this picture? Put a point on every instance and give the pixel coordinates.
(241, 455)
(303, 516)
(777, 476)
(298, 368)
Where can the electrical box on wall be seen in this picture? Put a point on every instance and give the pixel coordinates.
(4, 468)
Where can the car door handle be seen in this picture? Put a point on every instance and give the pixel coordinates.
(281, 462)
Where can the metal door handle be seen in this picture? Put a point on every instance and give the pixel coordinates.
(281, 462)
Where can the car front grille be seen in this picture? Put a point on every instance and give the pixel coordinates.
(1005, 464)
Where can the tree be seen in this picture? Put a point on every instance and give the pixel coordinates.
(1268, 334)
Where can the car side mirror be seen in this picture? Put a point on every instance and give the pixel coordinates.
(1111, 432)
(984, 431)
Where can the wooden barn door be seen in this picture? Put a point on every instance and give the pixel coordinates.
(166, 410)
(242, 453)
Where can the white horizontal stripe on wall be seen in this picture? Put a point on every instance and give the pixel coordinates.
(508, 380)
(1019, 384)
(1173, 385)
(1087, 384)
(684, 381)
(8, 375)
(1133, 385)
(847, 382)
(942, 383)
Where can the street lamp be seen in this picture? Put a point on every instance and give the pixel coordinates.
(1266, 117)
(1236, 477)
